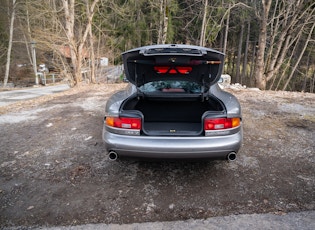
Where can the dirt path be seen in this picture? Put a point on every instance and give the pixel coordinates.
(54, 171)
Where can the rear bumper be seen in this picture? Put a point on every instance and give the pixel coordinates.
(172, 147)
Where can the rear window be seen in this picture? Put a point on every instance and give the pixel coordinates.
(171, 87)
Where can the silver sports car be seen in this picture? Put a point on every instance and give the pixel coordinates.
(173, 107)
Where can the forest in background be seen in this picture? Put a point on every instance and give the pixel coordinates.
(268, 44)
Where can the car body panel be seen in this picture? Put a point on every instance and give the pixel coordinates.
(173, 147)
(113, 104)
(230, 102)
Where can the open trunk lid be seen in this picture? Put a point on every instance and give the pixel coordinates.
(173, 62)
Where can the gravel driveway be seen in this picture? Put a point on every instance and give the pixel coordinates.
(54, 171)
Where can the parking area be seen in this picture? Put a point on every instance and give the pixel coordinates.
(54, 170)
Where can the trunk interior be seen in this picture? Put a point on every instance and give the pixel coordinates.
(173, 116)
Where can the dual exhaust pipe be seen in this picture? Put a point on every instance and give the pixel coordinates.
(113, 156)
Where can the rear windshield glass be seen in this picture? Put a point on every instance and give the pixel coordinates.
(171, 86)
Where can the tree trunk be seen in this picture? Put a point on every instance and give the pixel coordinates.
(244, 69)
(7, 68)
(260, 60)
(252, 67)
(306, 73)
(226, 31)
(160, 34)
(92, 56)
(165, 22)
(69, 26)
(239, 54)
(204, 25)
(28, 38)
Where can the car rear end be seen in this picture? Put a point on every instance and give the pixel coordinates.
(169, 111)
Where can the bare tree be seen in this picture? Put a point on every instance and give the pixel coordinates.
(92, 50)
(12, 17)
(76, 43)
(239, 54)
(204, 24)
(280, 23)
(226, 31)
(245, 60)
(300, 57)
(163, 22)
(261, 80)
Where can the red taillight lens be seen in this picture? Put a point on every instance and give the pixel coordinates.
(173, 70)
(221, 123)
(183, 69)
(161, 69)
(124, 122)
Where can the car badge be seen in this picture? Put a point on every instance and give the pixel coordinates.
(172, 60)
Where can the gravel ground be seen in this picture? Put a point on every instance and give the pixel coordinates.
(54, 171)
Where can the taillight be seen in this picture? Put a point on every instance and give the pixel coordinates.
(161, 69)
(221, 123)
(173, 69)
(124, 122)
(184, 69)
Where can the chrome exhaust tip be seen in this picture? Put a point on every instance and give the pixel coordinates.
(112, 156)
(231, 156)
